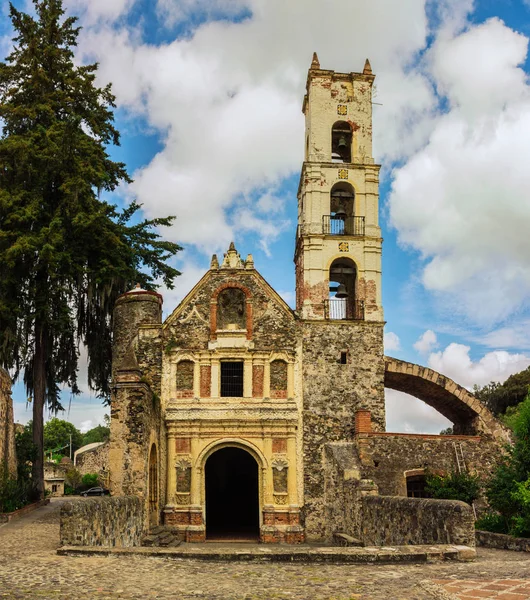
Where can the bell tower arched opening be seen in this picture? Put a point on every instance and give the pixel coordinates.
(341, 140)
(342, 301)
(341, 210)
(232, 495)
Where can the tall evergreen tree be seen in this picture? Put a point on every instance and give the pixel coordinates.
(65, 254)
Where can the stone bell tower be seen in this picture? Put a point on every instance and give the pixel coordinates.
(338, 244)
(338, 276)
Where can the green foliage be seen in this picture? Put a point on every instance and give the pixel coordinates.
(90, 480)
(99, 433)
(57, 436)
(454, 486)
(15, 493)
(492, 522)
(508, 490)
(447, 431)
(26, 451)
(66, 254)
(498, 397)
(72, 478)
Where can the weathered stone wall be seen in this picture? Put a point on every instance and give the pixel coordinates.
(390, 520)
(104, 521)
(95, 460)
(384, 457)
(502, 541)
(7, 427)
(332, 393)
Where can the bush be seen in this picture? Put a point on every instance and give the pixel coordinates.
(14, 493)
(508, 490)
(492, 522)
(454, 486)
(90, 480)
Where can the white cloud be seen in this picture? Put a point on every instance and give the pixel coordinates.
(97, 10)
(426, 342)
(227, 100)
(456, 363)
(177, 11)
(514, 335)
(391, 342)
(463, 201)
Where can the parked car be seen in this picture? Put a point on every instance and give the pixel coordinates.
(95, 491)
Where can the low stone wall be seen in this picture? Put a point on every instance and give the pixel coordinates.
(502, 541)
(6, 517)
(392, 520)
(102, 521)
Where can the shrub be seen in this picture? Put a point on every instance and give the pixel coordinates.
(454, 486)
(90, 480)
(14, 493)
(492, 522)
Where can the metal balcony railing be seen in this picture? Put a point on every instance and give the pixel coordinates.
(344, 309)
(333, 225)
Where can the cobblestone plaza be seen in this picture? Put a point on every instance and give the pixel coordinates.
(30, 568)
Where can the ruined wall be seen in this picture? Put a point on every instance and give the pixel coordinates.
(7, 427)
(384, 458)
(94, 460)
(388, 520)
(332, 393)
(110, 522)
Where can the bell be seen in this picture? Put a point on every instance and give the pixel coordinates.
(341, 291)
(342, 142)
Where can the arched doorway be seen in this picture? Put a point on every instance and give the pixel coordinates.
(232, 495)
(153, 487)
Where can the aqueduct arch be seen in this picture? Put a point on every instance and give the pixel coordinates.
(468, 414)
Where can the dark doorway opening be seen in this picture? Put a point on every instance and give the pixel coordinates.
(416, 485)
(232, 495)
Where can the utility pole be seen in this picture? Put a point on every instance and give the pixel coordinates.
(70, 446)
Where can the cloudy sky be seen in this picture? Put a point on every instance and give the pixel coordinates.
(209, 96)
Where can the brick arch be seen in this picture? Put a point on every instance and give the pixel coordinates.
(213, 307)
(467, 413)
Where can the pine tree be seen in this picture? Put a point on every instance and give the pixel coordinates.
(65, 253)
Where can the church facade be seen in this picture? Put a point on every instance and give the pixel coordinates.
(238, 417)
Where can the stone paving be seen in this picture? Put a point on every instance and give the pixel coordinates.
(30, 568)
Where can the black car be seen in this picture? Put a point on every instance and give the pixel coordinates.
(95, 491)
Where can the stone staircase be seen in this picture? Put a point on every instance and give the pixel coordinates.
(161, 537)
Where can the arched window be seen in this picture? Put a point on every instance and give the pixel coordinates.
(231, 309)
(342, 302)
(185, 369)
(342, 210)
(278, 379)
(341, 139)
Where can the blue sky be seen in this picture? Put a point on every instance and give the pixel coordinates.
(209, 97)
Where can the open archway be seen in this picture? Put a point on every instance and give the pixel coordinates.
(468, 415)
(153, 487)
(232, 495)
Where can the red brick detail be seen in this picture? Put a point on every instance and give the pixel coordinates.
(177, 518)
(294, 518)
(270, 537)
(184, 394)
(257, 381)
(279, 445)
(292, 537)
(183, 445)
(363, 421)
(213, 308)
(196, 518)
(195, 536)
(206, 380)
(268, 517)
(278, 394)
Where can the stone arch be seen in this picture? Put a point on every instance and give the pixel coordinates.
(467, 413)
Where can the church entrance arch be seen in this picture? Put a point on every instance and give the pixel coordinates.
(232, 494)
